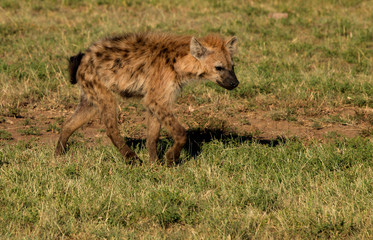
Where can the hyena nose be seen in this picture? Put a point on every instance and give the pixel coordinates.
(234, 84)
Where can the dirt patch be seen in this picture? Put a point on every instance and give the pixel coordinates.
(319, 128)
(43, 126)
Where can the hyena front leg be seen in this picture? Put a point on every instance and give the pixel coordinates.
(178, 132)
(107, 105)
(154, 127)
(85, 112)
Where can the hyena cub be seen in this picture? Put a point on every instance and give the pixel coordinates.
(154, 67)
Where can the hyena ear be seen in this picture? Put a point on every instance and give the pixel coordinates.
(231, 45)
(197, 49)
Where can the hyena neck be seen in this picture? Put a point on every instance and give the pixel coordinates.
(188, 68)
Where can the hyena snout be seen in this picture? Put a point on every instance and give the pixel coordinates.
(229, 81)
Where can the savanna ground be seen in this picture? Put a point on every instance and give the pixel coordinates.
(288, 154)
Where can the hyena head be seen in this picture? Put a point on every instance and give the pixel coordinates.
(216, 58)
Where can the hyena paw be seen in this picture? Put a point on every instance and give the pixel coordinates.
(59, 151)
(133, 159)
(172, 158)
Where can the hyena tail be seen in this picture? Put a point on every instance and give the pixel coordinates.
(74, 63)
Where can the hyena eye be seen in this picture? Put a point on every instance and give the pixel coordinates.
(219, 68)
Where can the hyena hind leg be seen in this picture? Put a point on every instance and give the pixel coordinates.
(107, 106)
(153, 129)
(86, 111)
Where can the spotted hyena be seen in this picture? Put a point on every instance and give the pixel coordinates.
(154, 67)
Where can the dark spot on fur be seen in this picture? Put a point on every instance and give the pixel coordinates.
(201, 75)
(141, 67)
(164, 50)
(132, 74)
(116, 49)
(120, 37)
(153, 61)
(140, 41)
(107, 57)
(181, 54)
(107, 48)
(174, 60)
(125, 93)
(128, 94)
(117, 38)
(88, 84)
(141, 51)
(153, 48)
(112, 49)
(117, 64)
(98, 54)
(161, 116)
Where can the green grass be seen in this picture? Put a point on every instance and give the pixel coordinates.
(4, 135)
(320, 55)
(238, 189)
(30, 131)
(318, 59)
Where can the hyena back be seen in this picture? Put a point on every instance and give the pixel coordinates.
(154, 67)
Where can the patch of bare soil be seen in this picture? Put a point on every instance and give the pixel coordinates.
(43, 125)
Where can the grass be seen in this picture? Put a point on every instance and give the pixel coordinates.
(320, 55)
(238, 189)
(233, 185)
(5, 135)
(30, 131)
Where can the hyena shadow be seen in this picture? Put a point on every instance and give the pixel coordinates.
(196, 138)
